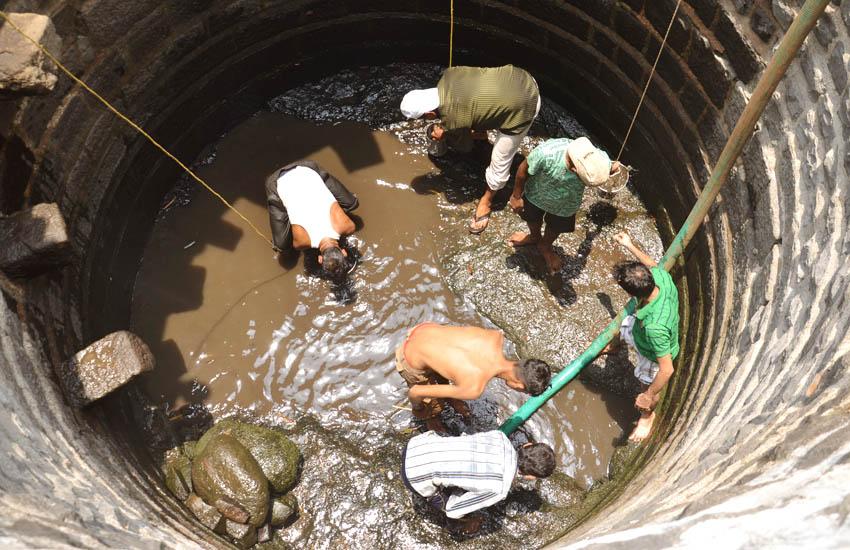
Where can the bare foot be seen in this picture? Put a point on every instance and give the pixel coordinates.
(460, 407)
(522, 239)
(553, 261)
(435, 424)
(643, 427)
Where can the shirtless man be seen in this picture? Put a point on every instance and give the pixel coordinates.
(455, 363)
(652, 330)
(308, 209)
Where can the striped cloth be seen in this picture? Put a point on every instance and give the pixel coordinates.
(479, 468)
(656, 330)
(492, 98)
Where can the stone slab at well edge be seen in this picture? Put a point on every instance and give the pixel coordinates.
(104, 366)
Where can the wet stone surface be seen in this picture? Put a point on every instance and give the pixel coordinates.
(240, 336)
(104, 366)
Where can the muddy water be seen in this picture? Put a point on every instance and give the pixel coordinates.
(245, 336)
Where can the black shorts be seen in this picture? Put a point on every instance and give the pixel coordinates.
(559, 224)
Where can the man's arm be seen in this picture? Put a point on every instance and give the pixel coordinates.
(516, 200)
(470, 501)
(649, 399)
(626, 241)
(300, 239)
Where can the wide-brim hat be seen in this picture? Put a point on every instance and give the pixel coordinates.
(590, 166)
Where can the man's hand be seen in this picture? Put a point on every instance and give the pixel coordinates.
(615, 166)
(646, 402)
(517, 204)
(623, 239)
(421, 412)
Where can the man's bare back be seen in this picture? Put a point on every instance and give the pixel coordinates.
(468, 357)
(456, 363)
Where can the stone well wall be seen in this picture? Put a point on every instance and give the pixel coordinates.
(754, 426)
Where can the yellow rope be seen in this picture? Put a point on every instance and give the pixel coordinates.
(451, 31)
(131, 123)
(651, 72)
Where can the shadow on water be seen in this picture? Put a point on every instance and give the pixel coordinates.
(355, 147)
(528, 260)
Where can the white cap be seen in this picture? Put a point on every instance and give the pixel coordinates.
(418, 102)
(591, 167)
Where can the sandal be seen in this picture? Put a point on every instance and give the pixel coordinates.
(476, 219)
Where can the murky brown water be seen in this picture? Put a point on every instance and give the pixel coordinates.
(236, 331)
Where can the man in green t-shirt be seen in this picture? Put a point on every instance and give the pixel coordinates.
(652, 330)
(550, 184)
(471, 100)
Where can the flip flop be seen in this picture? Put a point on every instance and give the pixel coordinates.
(477, 219)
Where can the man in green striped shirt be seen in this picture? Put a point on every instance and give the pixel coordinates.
(471, 100)
(653, 329)
(550, 185)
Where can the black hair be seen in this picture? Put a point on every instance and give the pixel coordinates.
(534, 375)
(635, 278)
(436, 147)
(334, 263)
(537, 459)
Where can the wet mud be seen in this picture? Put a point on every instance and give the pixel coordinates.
(243, 336)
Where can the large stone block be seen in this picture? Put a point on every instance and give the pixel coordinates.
(34, 241)
(739, 52)
(715, 78)
(104, 366)
(24, 69)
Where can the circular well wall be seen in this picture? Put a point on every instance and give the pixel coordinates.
(757, 411)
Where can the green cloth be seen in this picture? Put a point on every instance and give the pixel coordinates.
(491, 98)
(551, 186)
(656, 329)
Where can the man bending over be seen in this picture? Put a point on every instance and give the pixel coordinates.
(454, 363)
(471, 100)
(550, 185)
(652, 330)
(308, 209)
(459, 475)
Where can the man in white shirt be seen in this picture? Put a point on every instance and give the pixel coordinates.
(459, 475)
(308, 208)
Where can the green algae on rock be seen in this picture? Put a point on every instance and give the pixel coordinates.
(273, 451)
(224, 470)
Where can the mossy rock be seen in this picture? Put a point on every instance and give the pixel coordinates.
(177, 470)
(243, 536)
(206, 514)
(224, 470)
(620, 459)
(274, 452)
(282, 509)
(276, 543)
